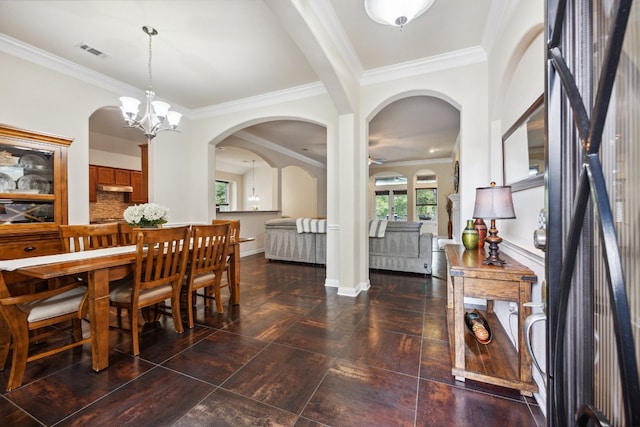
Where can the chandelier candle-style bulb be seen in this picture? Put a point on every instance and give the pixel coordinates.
(157, 116)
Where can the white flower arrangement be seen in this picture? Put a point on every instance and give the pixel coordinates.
(146, 215)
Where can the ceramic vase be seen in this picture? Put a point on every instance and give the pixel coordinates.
(470, 236)
(481, 227)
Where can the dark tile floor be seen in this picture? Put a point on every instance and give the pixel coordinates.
(293, 353)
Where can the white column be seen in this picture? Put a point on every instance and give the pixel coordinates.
(352, 195)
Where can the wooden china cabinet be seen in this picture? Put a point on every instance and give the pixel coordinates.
(33, 192)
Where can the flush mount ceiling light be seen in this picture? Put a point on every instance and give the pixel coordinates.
(156, 116)
(395, 12)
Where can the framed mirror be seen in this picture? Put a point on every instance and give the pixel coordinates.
(523, 149)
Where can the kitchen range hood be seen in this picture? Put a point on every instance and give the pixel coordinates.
(115, 188)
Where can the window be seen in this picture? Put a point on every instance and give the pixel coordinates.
(222, 196)
(391, 180)
(427, 204)
(391, 205)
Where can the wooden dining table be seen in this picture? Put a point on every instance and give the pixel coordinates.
(100, 264)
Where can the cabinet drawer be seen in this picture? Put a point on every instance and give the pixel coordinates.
(24, 249)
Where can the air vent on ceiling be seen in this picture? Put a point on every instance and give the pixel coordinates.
(92, 50)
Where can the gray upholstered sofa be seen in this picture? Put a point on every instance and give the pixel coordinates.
(283, 242)
(402, 248)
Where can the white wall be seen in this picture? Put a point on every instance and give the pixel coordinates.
(516, 80)
(114, 160)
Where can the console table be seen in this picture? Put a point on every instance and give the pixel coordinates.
(497, 362)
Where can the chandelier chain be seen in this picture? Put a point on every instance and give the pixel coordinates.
(156, 116)
(150, 75)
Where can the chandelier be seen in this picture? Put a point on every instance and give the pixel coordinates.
(253, 197)
(156, 117)
(394, 12)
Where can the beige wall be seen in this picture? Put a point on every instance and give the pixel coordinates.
(299, 194)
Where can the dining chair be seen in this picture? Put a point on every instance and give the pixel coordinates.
(127, 234)
(32, 311)
(161, 259)
(234, 235)
(82, 237)
(76, 238)
(207, 263)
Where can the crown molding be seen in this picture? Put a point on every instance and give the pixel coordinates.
(278, 148)
(259, 101)
(45, 59)
(458, 58)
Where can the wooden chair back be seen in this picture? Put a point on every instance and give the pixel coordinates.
(76, 238)
(208, 261)
(127, 234)
(234, 227)
(161, 258)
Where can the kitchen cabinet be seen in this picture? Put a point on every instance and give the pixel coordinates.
(93, 179)
(106, 175)
(122, 177)
(33, 192)
(138, 195)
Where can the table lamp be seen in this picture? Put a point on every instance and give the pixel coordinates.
(493, 203)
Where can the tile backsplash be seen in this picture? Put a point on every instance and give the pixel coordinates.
(109, 205)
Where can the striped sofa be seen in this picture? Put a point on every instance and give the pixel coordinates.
(403, 247)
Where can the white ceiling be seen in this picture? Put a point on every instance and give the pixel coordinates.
(217, 52)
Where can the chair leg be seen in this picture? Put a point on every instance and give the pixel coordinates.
(135, 344)
(77, 329)
(19, 362)
(5, 343)
(191, 295)
(175, 312)
(218, 293)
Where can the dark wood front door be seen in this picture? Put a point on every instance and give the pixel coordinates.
(593, 208)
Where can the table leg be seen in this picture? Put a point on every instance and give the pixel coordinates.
(458, 315)
(234, 273)
(98, 295)
(523, 353)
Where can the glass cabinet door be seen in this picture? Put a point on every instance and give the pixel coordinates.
(34, 198)
(26, 184)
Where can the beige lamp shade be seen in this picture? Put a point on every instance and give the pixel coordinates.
(494, 203)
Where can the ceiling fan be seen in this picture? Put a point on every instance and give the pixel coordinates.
(375, 161)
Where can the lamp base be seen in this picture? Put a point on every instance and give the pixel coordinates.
(494, 252)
